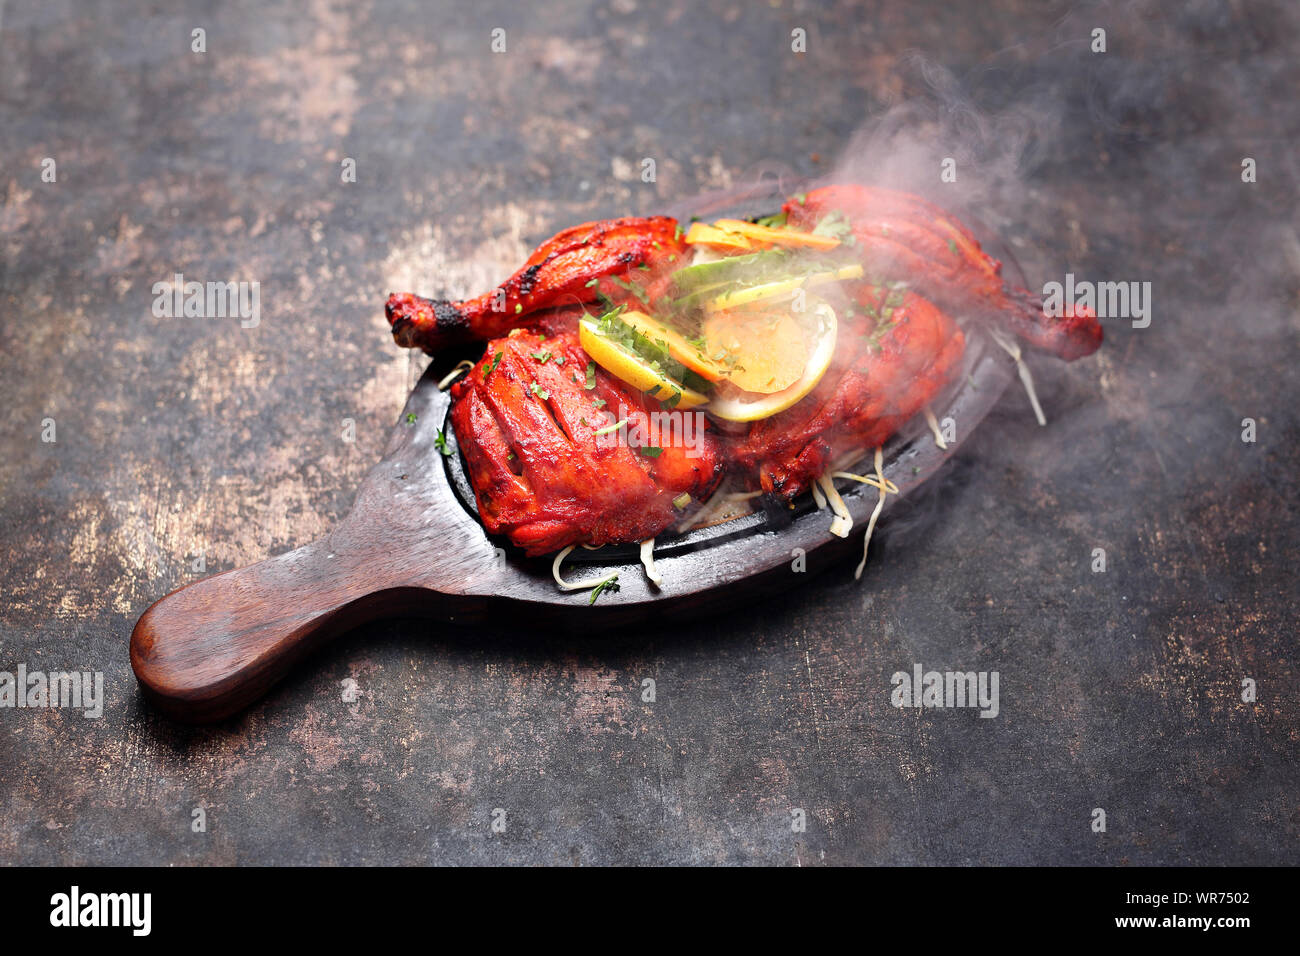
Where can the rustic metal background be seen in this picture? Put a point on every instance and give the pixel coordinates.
(1119, 690)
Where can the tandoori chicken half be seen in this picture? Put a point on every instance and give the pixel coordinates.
(631, 365)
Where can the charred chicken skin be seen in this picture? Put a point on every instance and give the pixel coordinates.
(550, 464)
(570, 268)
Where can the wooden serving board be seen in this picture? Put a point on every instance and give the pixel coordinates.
(413, 544)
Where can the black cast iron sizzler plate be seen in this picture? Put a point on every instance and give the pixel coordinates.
(911, 456)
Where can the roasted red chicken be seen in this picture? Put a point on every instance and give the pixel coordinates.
(907, 238)
(631, 365)
(533, 419)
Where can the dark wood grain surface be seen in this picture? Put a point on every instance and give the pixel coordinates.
(181, 437)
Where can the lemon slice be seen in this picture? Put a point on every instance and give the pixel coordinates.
(783, 287)
(783, 236)
(718, 238)
(632, 368)
(736, 405)
(759, 350)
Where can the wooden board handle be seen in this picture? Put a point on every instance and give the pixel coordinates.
(210, 648)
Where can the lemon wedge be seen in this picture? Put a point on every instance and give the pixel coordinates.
(633, 369)
(738, 405)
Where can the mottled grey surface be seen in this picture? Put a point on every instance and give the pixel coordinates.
(1119, 690)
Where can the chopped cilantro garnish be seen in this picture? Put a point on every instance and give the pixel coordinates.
(518, 308)
(540, 392)
(440, 443)
(492, 366)
(598, 402)
(592, 283)
(410, 418)
(632, 287)
(654, 355)
(835, 225)
(609, 584)
(541, 356)
(591, 376)
(650, 451)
